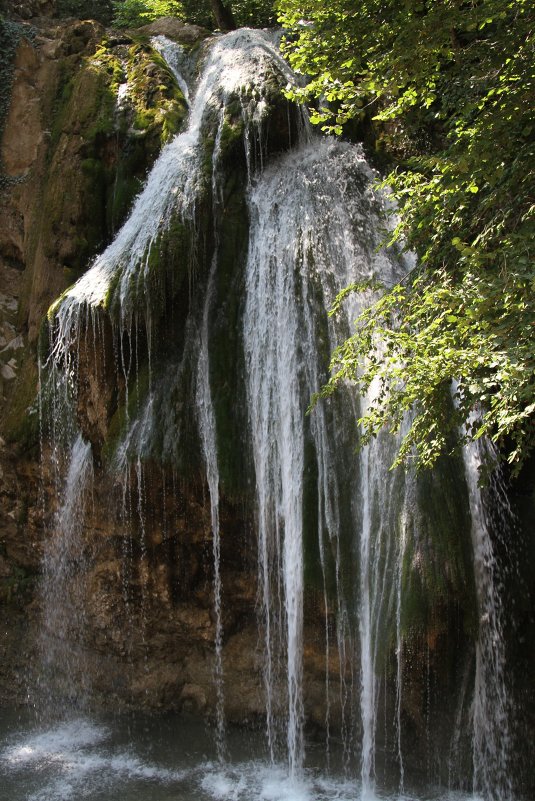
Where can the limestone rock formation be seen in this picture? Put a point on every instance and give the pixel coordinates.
(156, 544)
(89, 112)
(72, 159)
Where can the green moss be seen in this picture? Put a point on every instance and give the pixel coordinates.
(437, 569)
(137, 394)
(208, 145)
(92, 167)
(85, 102)
(54, 308)
(143, 119)
(173, 118)
(110, 301)
(159, 105)
(21, 423)
(231, 134)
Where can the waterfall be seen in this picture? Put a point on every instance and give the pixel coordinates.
(234, 69)
(63, 682)
(310, 236)
(207, 427)
(368, 679)
(329, 524)
(491, 706)
(386, 505)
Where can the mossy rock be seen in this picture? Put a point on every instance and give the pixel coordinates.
(101, 149)
(225, 343)
(438, 566)
(159, 301)
(21, 422)
(127, 411)
(163, 271)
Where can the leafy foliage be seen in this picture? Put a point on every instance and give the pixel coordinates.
(451, 86)
(254, 13)
(133, 13)
(101, 10)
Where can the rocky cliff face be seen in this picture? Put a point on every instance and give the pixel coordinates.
(72, 159)
(75, 150)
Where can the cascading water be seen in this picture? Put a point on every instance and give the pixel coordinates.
(491, 705)
(234, 70)
(209, 446)
(61, 591)
(310, 236)
(341, 529)
(386, 506)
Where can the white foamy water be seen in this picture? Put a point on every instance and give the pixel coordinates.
(236, 64)
(50, 744)
(76, 759)
(142, 760)
(313, 230)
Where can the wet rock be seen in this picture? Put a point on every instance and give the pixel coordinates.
(7, 372)
(174, 29)
(192, 699)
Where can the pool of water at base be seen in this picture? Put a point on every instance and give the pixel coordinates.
(138, 758)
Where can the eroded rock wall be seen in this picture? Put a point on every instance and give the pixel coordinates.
(71, 161)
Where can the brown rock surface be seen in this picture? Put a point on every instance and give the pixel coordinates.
(44, 216)
(175, 29)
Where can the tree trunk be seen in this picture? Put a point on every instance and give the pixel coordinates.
(223, 15)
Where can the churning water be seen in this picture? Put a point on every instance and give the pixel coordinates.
(161, 759)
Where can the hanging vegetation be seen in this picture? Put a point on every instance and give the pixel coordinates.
(451, 89)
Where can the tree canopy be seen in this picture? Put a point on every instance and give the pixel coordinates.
(208, 13)
(450, 86)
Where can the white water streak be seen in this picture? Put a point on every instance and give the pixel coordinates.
(312, 232)
(207, 427)
(491, 706)
(62, 586)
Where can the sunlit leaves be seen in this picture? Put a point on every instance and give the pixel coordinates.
(139, 12)
(453, 86)
(132, 13)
